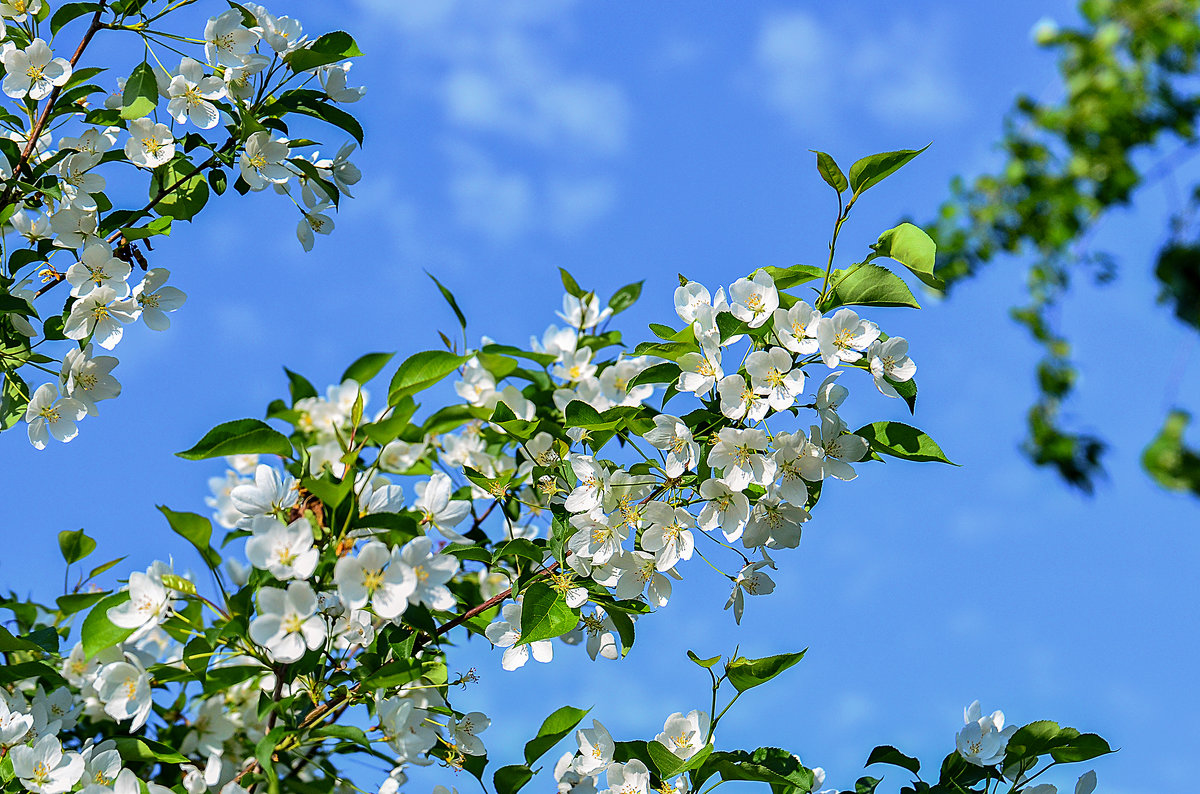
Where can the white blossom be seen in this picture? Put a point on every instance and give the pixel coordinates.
(34, 71)
(754, 300)
(286, 551)
(124, 689)
(287, 622)
(506, 633)
(262, 161)
(150, 143)
(44, 768)
(843, 337)
(97, 267)
(889, 361)
(226, 41)
(333, 80)
(685, 736)
(191, 94)
(47, 415)
(376, 576)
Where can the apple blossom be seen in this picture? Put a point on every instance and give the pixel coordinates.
(287, 622)
(34, 71)
(47, 415)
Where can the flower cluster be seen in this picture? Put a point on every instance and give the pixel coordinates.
(60, 223)
(558, 499)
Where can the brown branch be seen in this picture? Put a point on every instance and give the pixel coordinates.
(31, 144)
(162, 194)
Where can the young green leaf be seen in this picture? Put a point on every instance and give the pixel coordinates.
(75, 545)
(912, 247)
(625, 297)
(544, 614)
(868, 285)
(902, 441)
(746, 673)
(366, 367)
(569, 284)
(239, 437)
(554, 729)
(196, 530)
(449, 296)
(141, 92)
(98, 631)
(873, 169)
(422, 370)
(829, 171)
(329, 48)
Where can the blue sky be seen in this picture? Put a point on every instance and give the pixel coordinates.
(629, 141)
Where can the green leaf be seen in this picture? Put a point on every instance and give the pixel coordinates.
(386, 430)
(912, 247)
(140, 96)
(666, 372)
(77, 602)
(554, 729)
(422, 370)
(315, 104)
(1035, 739)
(98, 632)
(239, 437)
(311, 173)
(366, 367)
(829, 171)
(520, 429)
(75, 545)
(299, 386)
(746, 673)
(625, 297)
(1083, 747)
(449, 296)
(873, 169)
(868, 285)
(902, 441)
(866, 785)
(348, 733)
(785, 277)
(908, 392)
(886, 754)
(68, 12)
(132, 749)
(766, 764)
(544, 614)
(219, 181)
(99, 569)
(669, 765)
(570, 285)
(705, 663)
(154, 227)
(183, 193)
(512, 778)
(196, 530)
(329, 48)
(9, 643)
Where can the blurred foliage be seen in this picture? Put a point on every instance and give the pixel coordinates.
(1123, 117)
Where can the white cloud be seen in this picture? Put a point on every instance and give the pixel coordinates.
(488, 199)
(576, 203)
(495, 67)
(820, 75)
(529, 134)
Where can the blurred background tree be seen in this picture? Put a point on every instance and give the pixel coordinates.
(1123, 118)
